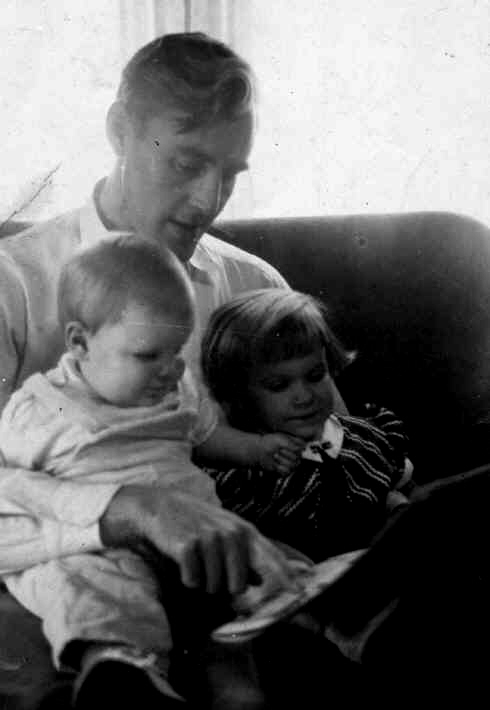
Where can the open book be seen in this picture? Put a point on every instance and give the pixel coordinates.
(286, 603)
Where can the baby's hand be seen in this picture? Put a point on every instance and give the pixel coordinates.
(279, 453)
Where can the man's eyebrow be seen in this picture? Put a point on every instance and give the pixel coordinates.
(236, 165)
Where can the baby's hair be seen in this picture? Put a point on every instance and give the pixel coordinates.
(99, 282)
(262, 327)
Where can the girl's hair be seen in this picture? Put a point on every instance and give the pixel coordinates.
(262, 327)
(98, 283)
(187, 70)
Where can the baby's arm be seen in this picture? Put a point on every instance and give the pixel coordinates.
(275, 452)
(41, 517)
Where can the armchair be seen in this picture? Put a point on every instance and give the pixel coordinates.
(411, 294)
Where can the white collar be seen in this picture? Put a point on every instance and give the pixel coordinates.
(333, 435)
(93, 231)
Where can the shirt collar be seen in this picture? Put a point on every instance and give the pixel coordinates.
(200, 264)
(93, 231)
(330, 442)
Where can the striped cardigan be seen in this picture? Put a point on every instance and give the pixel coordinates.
(335, 500)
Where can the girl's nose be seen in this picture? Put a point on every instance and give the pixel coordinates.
(302, 393)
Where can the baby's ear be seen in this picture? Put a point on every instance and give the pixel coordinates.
(76, 341)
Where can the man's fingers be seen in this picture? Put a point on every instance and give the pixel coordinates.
(238, 560)
(190, 564)
(212, 553)
(218, 561)
(271, 564)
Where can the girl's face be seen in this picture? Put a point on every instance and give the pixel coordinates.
(292, 396)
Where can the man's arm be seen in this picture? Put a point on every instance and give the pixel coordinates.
(42, 518)
(28, 536)
(213, 548)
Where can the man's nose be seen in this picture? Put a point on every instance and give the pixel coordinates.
(206, 193)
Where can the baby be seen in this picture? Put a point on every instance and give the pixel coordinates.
(120, 408)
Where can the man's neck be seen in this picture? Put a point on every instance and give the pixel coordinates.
(108, 202)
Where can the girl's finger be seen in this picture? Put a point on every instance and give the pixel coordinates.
(286, 457)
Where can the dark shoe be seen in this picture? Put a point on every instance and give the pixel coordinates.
(115, 678)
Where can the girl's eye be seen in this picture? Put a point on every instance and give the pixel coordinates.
(275, 385)
(317, 374)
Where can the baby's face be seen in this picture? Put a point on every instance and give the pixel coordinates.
(136, 361)
(293, 396)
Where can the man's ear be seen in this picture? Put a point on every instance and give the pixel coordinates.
(118, 126)
(76, 341)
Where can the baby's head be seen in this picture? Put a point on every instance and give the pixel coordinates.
(268, 357)
(127, 309)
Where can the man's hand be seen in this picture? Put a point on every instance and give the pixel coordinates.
(279, 453)
(215, 550)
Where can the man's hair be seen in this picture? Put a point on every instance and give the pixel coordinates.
(263, 327)
(189, 71)
(99, 283)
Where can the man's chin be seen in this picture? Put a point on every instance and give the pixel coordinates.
(184, 254)
(183, 243)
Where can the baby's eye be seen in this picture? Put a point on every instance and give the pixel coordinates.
(149, 356)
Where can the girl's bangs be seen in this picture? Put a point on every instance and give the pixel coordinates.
(292, 339)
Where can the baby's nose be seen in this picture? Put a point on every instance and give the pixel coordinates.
(174, 370)
(178, 367)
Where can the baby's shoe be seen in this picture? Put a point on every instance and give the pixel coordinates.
(121, 677)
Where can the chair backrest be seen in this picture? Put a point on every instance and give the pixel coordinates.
(410, 293)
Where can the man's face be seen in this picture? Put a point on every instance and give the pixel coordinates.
(175, 184)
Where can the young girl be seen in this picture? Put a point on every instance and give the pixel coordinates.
(269, 358)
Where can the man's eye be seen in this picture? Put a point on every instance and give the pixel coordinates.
(188, 165)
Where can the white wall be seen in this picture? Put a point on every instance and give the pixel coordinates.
(59, 64)
(365, 105)
(370, 105)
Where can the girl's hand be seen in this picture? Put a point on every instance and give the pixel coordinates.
(279, 453)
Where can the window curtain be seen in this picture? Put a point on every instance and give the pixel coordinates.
(142, 20)
(63, 68)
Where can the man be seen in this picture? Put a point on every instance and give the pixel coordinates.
(181, 129)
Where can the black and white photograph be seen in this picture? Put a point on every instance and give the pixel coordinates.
(244, 354)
